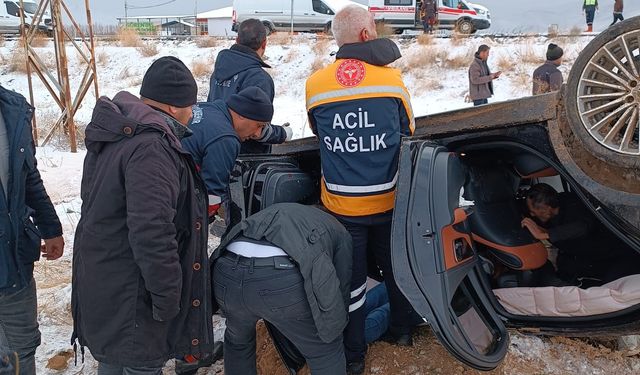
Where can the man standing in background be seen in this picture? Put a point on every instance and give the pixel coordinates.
(26, 216)
(429, 15)
(481, 78)
(618, 7)
(547, 77)
(589, 8)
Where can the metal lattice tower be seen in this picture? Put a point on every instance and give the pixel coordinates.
(58, 83)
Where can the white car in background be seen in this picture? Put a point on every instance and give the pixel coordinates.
(308, 15)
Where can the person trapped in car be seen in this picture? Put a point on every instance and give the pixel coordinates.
(290, 265)
(27, 216)
(360, 109)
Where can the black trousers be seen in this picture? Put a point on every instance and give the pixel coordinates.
(617, 17)
(372, 240)
(247, 293)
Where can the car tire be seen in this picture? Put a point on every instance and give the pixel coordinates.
(327, 29)
(603, 95)
(465, 27)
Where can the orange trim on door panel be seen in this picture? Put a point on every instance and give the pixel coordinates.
(532, 256)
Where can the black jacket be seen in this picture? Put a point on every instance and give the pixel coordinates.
(236, 69)
(20, 237)
(140, 273)
(547, 78)
(319, 245)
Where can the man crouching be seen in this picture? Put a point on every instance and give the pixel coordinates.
(140, 274)
(290, 265)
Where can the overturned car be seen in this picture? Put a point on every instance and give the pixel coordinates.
(459, 251)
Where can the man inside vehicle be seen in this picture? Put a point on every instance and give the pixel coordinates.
(585, 249)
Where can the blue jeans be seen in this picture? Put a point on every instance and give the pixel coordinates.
(19, 326)
(590, 13)
(107, 369)
(480, 102)
(378, 313)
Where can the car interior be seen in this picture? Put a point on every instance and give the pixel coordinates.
(497, 183)
(497, 179)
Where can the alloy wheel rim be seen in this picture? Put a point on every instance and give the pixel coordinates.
(609, 95)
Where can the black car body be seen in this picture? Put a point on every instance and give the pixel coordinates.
(445, 249)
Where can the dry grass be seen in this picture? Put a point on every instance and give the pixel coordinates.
(202, 68)
(128, 37)
(553, 31)
(457, 39)
(206, 42)
(1, 41)
(291, 56)
(16, 61)
(148, 49)
(125, 73)
(459, 61)
(425, 39)
(575, 33)
(527, 54)
(504, 63)
(102, 58)
(317, 64)
(383, 29)
(522, 80)
(418, 60)
(280, 39)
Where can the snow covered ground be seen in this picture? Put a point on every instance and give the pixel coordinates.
(435, 72)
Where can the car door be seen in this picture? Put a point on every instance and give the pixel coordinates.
(434, 260)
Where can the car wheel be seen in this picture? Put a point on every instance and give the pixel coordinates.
(603, 95)
(327, 29)
(465, 27)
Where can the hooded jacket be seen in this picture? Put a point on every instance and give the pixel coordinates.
(480, 79)
(360, 109)
(26, 211)
(141, 285)
(236, 69)
(319, 245)
(547, 78)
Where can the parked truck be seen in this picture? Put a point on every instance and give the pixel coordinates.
(10, 19)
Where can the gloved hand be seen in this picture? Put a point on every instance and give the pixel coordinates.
(288, 130)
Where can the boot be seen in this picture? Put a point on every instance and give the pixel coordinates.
(590, 28)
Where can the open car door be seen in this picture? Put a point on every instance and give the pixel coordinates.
(434, 260)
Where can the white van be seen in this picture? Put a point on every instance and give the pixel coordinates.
(460, 15)
(308, 15)
(10, 16)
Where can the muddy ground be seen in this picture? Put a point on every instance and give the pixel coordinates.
(527, 355)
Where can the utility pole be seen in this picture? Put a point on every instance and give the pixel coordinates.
(126, 14)
(292, 17)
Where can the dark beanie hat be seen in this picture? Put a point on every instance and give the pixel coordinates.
(252, 103)
(169, 81)
(554, 52)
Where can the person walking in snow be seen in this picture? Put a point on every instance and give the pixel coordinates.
(481, 78)
(141, 289)
(589, 8)
(547, 77)
(618, 7)
(26, 217)
(429, 15)
(242, 66)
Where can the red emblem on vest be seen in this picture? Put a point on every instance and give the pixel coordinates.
(350, 73)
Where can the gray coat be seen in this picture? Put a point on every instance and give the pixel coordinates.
(547, 78)
(319, 245)
(480, 80)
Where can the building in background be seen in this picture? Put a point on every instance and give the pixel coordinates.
(216, 22)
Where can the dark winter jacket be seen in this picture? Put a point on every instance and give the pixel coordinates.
(429, 10)
(238, 68)
(618, 7)
(26, 212)
(214, 146)
(140, 270)
(480, 80)
(319, 245)
(547, 78)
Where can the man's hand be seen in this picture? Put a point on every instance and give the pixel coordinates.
(287, 129)
(497, 75)
(53, 248)
(536, 231)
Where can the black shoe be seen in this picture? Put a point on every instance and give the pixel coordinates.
(191, 368)
(355, 368)
(404, 339)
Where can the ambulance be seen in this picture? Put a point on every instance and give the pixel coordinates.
(459, 15)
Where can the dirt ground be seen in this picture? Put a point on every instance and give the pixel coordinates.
(527, 355)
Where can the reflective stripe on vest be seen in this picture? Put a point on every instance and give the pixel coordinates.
(590, 2)
(357, 205)
(362, 189)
